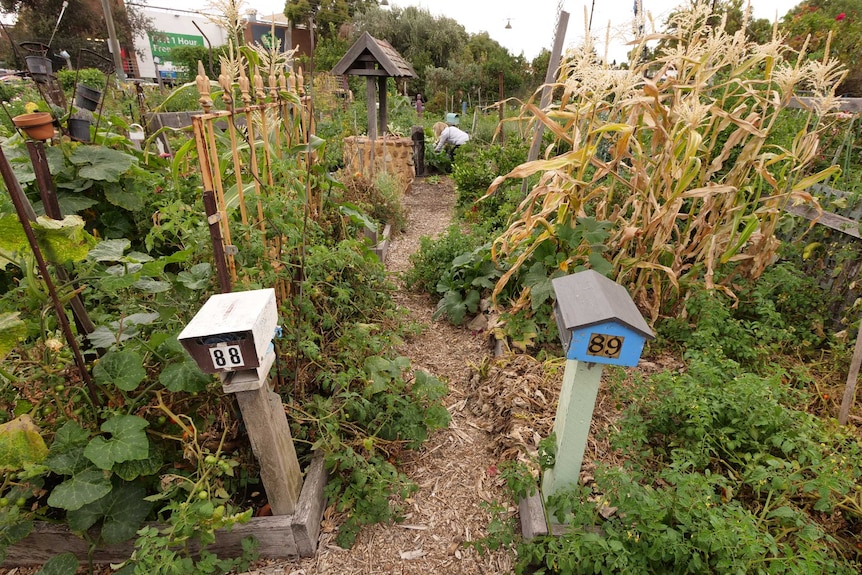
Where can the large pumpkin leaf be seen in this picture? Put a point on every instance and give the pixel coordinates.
(14, 527)
(131, 470)
(121, 368)
(150, 285)
(185, 376)
(56, 159)
(66, 456)
(12, 239)
(128, 441)
(121, 511)
(62, 564)
(198, 277)
(109, 250)
(74, 203)
(122, 197)
(79, 490)
(12, 330)
(101, 164)
(63, 240)
(21, 444)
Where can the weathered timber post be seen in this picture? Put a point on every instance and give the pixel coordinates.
(232, 335)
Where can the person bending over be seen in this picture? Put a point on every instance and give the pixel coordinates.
(449, 136)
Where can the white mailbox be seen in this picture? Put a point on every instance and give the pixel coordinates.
(232, 331)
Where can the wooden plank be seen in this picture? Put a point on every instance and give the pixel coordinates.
(383, 114)
(828, 219)
(532, 512)
(366, 72)
(309, 510)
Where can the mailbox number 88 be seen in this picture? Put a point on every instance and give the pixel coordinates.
(227, 356)
(605, 345)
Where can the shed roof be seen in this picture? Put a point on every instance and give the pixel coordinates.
(588, 298)
(372, 57)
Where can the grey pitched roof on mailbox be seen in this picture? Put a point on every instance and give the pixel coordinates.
(588, 298)
(368, 51)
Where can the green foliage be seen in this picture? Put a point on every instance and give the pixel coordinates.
(476, 168)
(783, 312)
(186, 59)
(462, 285)
(831, 25)
(723, 475)
(381, 411)
(434, 257)
(89, 77)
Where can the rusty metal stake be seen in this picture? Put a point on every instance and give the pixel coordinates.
(213, 216)
(18, 200)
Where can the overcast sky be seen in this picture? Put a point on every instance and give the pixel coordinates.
(533, 21)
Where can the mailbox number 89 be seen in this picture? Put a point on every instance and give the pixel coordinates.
(228, 356)
(605, 345)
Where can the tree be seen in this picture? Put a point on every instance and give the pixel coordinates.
(426, 41)
(815, 23)
(731, 13)
(83, 19)
(328, 15)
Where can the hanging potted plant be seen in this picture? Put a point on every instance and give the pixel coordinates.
(88, 90)
(37, 126)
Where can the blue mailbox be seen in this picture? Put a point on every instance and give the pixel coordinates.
(598, 321)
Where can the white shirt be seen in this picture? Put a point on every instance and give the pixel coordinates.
(452, 135)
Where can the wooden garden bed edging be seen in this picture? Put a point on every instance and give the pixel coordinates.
(280, 537)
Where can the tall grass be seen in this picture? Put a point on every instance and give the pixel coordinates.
(677, 155)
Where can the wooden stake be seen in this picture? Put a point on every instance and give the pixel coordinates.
(572, 424)
(850, 388)
(269, 434)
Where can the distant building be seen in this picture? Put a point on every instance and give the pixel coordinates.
(173, 28)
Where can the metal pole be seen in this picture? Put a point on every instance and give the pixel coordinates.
(112, 40)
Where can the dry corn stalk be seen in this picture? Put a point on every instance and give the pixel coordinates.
(676, 155)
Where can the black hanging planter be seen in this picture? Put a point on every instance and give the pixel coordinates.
(79, 129)
(40, 67)
(87, 98)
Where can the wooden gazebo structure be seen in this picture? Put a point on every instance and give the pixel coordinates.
(377, 60)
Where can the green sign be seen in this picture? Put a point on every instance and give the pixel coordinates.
(161, 43)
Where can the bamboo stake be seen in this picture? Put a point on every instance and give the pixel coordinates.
(264, 130)
(252, 144)
(227, 96)
(212, 155)
(213, 216)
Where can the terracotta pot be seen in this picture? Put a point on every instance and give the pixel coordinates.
(37, 126)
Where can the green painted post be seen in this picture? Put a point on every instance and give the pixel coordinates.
(572, 424)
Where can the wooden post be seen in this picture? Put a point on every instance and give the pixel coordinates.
(572, 424)
(547, 91)
(269, 434)
(383, 115)
(850, 389)
(371, 96)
